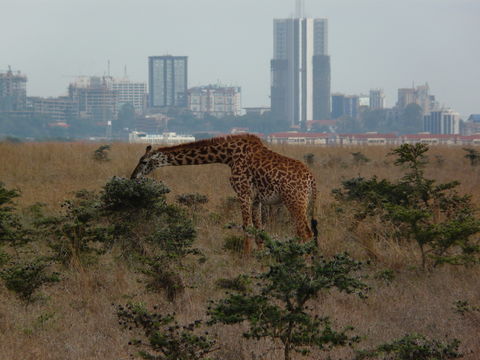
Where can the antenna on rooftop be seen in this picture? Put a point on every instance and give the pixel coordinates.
(299, 8)
(108, 67)
(125, 71)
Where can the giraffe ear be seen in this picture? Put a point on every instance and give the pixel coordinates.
(149, 147)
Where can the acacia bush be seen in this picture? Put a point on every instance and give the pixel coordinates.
(277, 307)
(414, 347)
(121, 194)
(26, 277)
(161, 337)
(435, 216)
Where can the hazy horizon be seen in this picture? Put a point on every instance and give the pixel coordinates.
(372, 43)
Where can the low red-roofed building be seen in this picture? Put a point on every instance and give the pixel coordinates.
(301, 138)
(367, 139)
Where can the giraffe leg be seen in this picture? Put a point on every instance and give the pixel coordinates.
(246, 208)
(241, 186)
(257, 219)
(298, 212)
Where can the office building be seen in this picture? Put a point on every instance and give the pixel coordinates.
(445, 121)
(419, 95)
(130, 92)
(215, 100)
(167, 81)
(58, 109)
(95, 97)
(13, 91)
(345, 106)
(300, 70)
(376, 99)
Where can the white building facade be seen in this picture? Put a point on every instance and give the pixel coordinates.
(215, 100)
(444, 121)
(131, 92)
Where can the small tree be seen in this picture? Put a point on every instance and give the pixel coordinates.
(414, 347)
(278, 307)
(473, 156)
(10, 226)
(101, 154)
(359, 158)
(435, 216)
(162, 338)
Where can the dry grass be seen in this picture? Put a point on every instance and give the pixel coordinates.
(75, 319)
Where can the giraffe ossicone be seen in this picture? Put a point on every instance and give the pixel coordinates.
(258, 176)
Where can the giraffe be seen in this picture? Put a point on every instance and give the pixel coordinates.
(258, 176)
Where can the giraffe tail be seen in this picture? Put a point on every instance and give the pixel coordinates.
(313, 204)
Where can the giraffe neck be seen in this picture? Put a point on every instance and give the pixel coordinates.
(202, 154)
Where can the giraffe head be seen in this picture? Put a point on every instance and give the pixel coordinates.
(149, 162)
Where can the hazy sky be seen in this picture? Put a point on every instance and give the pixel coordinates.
(373, 43)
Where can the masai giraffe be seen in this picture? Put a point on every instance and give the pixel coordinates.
(258, 176)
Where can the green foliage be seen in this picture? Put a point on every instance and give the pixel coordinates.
(463, 307)
(79, 235)
(277, 307)
(10, 227)
(414, 347)
(473, 156)
(240, 283)
(101, 154)
(386, 275)
(433, 215)
(193, 201)
(161, 336)
(24, 278)
(309, 159)
(233, 243)
(121, 194)
(359, 158)
(162, 276)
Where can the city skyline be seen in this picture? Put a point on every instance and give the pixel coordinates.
(372, 44)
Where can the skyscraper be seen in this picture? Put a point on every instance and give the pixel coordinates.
(13, 91)
(445, 121)
(167, 81)
(300, 70)
(377, 99)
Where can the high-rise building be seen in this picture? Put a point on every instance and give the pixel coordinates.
(130, 92)
(13, 91)
(420, 96)
(215, 100)
(57, 109)
(300, 70)
(95, 97)
(377, 99)
(445, 121)
(345, 106)
(167, 81)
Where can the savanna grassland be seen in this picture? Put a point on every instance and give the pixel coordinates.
(75, 317)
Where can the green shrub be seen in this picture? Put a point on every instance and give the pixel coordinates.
(277, 308)
(26, 277)
(80, 234)
(414, 347)
(101, 154)
(359, 158)
(233, 243)
(309, 159)
(240, 283)
(121, 194)
(10, 227)
(162, 337)
(473, 156)
(435, 216)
